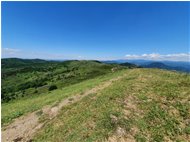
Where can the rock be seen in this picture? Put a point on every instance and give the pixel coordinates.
(114, 119)
(120, 132)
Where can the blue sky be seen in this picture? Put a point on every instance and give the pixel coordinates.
(96, 30)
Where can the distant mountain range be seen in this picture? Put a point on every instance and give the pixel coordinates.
(130, 65)
(169, 65)
(164, 66)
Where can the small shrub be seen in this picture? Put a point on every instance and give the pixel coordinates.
(187, 130)
(52, 87)
(36, 91)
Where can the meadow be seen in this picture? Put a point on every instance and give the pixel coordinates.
(146, 105)
(137, 104)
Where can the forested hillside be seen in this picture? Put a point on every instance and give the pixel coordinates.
(24, 77)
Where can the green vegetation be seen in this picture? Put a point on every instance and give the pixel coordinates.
(52, 87)
(21, 77)
(129, 65)
(21, 106)
(145, 104)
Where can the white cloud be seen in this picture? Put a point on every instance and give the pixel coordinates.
(156, 56)
(10, 51)
(13, 52)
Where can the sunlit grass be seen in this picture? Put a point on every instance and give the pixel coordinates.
(19, 107)
(157, 94)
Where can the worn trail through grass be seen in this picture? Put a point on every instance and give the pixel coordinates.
(146, 105)
(24, 127)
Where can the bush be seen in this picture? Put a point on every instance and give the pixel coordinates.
(36, 91)
(52, 87)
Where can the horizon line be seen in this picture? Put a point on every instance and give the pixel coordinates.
(92, 59)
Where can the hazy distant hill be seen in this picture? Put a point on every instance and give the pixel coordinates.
(161, 65)
(157, 65)
(169, 65)
(129, 65)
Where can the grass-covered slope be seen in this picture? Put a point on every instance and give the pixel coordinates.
(24, 77)
(18, 107)
(146, 105)
(143, 105)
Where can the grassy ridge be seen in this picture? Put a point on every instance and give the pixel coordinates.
(145, 105)
(24, 105)
(148, 104)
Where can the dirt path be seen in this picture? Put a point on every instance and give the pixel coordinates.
(24, 127)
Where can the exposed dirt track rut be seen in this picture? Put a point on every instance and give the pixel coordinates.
(24, 127)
